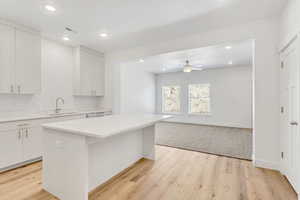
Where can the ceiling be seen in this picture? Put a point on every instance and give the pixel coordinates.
(131, 23)
(220, 56)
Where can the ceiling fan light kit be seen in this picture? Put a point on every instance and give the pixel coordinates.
(187, 68)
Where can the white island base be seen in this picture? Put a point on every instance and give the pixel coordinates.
(80, 155)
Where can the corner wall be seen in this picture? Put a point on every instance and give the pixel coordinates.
(137, 89)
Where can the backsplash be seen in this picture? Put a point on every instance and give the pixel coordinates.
(57, 81)
(14, 105)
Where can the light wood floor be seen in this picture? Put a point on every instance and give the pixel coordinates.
(175, 175)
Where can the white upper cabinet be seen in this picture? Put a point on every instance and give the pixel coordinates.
(20, 61)
(28, 62)
(7, 60)
(88, 72)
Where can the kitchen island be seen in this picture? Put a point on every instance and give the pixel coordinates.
(80, 155)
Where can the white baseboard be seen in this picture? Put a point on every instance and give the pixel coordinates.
(266, 164)
(19, 164)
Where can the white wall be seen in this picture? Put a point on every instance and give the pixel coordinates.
(230, 95)
(290, 21)
(137, 89)
(57, 67)
(266, 82)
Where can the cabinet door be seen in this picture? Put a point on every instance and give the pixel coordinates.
(28, 62)
(32, 143)
(98, 76)
(10, 148)
(7, 44)
(86, 70)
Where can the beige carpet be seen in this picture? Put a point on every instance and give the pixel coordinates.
(233, 142)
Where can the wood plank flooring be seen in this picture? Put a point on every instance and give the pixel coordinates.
(175, 175)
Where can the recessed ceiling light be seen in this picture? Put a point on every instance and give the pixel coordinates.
(230, 62)
(164, 69)
(104, 35)
(66, 38)
(228, 47)
(50, 8)
(142, 60)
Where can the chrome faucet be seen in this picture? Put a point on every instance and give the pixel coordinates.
(57, 109)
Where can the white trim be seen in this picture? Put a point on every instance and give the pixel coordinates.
(19, 26)
(172, 120)
(200, 114)
(171, 113)
(20, 164)
(266, 164)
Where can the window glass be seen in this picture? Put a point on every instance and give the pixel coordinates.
(199, 98)
(170, 99)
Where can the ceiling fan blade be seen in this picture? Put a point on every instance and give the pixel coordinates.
(198, 65)
(197, 69)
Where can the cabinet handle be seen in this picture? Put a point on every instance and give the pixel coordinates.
(11, 89)
(26, 133)
(19, 89)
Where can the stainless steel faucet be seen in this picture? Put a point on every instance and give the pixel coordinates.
(57, 109)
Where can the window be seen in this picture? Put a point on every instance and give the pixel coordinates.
(170, 99)
(199, 99)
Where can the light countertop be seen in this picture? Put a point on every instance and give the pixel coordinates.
(107, 126)
(47, 116)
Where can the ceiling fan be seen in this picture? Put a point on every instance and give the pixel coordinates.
(189, 68)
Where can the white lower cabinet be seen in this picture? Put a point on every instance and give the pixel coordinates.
(32, 143)
(22, 142)
(10, 148)
(19, 145)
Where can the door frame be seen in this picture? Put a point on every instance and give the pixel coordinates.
(294, 41)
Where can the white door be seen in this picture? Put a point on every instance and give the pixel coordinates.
(7, 45)
(32, 142)
(28, 62)
(290, 111)
(10, 148)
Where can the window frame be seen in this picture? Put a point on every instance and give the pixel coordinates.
(189, 100)
(163, 100)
